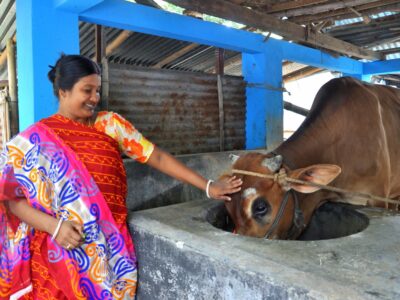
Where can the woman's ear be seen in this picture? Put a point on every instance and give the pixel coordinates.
(320, 174)
(61, 94)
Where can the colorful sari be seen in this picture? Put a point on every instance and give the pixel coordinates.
(75, 172)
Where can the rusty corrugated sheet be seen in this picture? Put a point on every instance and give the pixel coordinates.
(178, 111)
(7, 29)
(147, 50)
(7, 21)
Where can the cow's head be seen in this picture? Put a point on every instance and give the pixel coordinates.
(255, 208)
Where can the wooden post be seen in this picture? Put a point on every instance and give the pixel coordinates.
(12, 84)
(104, 84)
(101, 59)
(122, 37)
(100, 43)
(220, 74)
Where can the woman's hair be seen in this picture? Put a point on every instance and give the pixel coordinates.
(69, 69)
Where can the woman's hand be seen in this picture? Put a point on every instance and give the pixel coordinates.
(221, 188)
(70, 235)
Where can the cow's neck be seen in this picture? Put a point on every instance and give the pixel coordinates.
(304, 148)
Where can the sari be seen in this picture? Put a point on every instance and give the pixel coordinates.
(71, 171)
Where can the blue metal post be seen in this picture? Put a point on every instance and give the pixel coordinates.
(359, 76)
(43, 33)
(264, 106)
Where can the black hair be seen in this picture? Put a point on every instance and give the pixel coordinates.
(69, 69)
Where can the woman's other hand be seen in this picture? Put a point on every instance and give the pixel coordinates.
(70, 235)
(225, 186)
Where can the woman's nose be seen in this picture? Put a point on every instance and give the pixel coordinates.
(95, 96)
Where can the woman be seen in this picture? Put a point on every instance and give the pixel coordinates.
(63, 186)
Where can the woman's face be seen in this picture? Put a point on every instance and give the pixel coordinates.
(79, 103)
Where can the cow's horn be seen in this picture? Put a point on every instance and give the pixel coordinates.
(233, 157)
(272, 163)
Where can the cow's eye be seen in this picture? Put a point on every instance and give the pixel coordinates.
(260, 208)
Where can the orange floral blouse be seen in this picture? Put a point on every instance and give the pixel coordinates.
(131, 142)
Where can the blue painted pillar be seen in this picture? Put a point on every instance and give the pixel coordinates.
(43, 33)
(362, 77)
(264, 106)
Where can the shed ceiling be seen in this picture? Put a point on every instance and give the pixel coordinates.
(371, 28)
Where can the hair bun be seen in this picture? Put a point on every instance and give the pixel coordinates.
(52, 73)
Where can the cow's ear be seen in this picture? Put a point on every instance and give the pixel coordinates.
(320, 174)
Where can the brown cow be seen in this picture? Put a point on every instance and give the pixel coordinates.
(349, 139)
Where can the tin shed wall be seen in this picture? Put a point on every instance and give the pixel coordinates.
(178, 111)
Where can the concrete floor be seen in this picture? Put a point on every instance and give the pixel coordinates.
(182, 256)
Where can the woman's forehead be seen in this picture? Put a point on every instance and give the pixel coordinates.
(93, 79)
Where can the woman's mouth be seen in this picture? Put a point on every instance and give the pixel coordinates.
(90, 107)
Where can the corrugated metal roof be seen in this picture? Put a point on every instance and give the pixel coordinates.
(7, 21)
(7, 29)
(360, 19)
(393, 56)
(147, 50)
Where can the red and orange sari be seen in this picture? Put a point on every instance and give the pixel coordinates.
(75, 172)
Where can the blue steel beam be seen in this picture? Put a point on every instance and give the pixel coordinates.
(75, 6)
(140, 18)
(366, 78)
(318, 58)
(119, 14)
(382, 67)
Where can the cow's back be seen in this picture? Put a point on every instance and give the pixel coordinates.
(354, 125)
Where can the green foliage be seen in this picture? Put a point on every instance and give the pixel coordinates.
(176, 9)
(169, 7)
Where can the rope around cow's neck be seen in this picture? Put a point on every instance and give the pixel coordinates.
(282, 179)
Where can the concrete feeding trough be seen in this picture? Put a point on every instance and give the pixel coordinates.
(185, 251)
(331, 220)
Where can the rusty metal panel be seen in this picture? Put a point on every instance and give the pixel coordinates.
(176, 110)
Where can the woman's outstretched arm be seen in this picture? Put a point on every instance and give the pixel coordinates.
(169, 165)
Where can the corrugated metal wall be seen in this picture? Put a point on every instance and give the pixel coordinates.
(178, 111)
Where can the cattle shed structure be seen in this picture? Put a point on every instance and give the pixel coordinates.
(193, 85)
(183, 253)
(159, 39)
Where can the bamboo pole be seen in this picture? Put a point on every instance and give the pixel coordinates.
(220, 74)
(3, 55)
(122, 37)
(12, 86)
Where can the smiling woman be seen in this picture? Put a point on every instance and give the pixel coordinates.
(80, 102)
(77, 86)
(63, 231)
